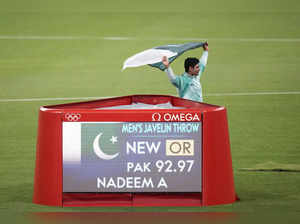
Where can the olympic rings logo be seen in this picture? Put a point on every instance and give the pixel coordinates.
(72, 116)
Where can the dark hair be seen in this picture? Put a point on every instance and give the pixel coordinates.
(190, 62)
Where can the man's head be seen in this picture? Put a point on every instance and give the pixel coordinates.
(191, 66)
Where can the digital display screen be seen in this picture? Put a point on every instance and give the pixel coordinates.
(132, 156)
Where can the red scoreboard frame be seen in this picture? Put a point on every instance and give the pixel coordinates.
(217, 172)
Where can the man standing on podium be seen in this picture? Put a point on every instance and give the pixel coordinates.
(188, 84)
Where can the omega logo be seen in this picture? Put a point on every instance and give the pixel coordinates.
(175, 117)
(156, 117)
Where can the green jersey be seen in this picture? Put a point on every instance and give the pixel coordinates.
(188, 86)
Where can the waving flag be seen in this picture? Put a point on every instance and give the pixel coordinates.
(154, 56)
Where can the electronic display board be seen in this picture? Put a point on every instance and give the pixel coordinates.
(132, 156)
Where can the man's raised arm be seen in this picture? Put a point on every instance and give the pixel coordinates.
(203, 59)
(169, 70)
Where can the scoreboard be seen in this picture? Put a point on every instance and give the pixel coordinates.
(132, 156)
(139, 150)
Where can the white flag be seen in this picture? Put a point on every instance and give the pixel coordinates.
(146, 57)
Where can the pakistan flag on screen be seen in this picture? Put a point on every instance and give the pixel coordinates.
(100, 141)
(154, 56)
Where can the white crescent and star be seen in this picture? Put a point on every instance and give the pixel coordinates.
(99, 151)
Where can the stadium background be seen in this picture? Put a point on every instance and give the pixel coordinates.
(64, 51)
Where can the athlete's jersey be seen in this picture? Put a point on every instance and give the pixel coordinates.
(188, 86)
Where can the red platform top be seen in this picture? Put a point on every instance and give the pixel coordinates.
(176, 102)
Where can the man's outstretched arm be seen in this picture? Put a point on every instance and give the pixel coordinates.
(169, 71)
(203, 60)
